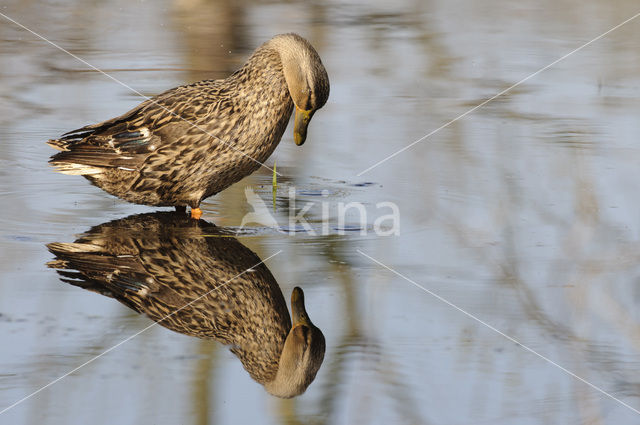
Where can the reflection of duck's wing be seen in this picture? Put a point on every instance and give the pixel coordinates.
(209, 286)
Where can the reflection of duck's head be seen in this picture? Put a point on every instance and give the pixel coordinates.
(302, 354)
(192, 278)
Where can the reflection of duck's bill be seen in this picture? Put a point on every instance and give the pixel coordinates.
(298, 312)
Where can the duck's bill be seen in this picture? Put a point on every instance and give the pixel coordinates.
(298, 312)
(300, 124)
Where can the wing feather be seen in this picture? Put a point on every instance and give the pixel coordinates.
(127, 141)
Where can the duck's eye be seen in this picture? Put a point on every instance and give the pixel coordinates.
(304, 335)
(302, 331)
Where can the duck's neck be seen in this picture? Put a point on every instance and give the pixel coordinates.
(263, 97)
(262, 81)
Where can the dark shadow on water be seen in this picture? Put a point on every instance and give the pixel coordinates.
(197, 279)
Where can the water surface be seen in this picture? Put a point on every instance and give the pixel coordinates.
(524, 213)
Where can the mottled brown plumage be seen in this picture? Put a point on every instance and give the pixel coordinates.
(193, 141)
(157, 264)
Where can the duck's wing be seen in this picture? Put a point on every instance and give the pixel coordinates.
(128, 140)
(124, 275)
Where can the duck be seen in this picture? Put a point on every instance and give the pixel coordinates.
(195, 140)
(193, 278)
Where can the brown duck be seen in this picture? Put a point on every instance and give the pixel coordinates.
(193, 141)
(191, 278)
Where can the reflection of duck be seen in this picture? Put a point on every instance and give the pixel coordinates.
(193, 141)
(162, 263)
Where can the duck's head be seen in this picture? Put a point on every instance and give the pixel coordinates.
(306, 78)
(302, 354)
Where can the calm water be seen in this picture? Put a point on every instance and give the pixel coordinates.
(525, 213)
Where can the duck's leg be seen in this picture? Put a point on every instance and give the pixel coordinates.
(181, 209)
(196, 213)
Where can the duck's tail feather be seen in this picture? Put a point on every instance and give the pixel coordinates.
(88, 266)
(59, 144)
(74, 169)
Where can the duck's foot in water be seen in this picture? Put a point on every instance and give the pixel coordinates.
(196, 213)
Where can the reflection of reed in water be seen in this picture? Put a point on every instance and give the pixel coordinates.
(158, 263)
